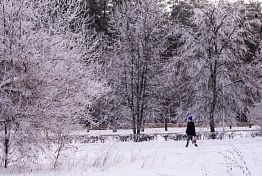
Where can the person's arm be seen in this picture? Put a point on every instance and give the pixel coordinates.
(187, 129)
(194, 129)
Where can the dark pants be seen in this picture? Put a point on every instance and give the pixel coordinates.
(189, 138)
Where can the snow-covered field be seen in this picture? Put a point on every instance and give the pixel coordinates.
(242, 156)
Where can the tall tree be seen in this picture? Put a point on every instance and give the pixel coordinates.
(255, 112)
(66, 67)
(214, 50)
(140, 37)
(18, 83)
(46, 78)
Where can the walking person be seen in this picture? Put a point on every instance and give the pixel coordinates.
(191, 131)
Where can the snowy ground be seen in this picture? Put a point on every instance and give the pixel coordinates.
(238, 157)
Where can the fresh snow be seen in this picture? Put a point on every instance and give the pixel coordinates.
(156, 158)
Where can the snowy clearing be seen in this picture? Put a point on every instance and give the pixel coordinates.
(238, 157)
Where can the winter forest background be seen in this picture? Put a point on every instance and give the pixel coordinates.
(68, 65)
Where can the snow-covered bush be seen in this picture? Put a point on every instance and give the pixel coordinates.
(46, 83)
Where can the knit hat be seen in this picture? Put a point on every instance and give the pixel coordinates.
(190, 118)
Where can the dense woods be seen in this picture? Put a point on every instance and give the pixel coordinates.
(66, 65)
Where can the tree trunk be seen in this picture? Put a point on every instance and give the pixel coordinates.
(214, 97)
(134, 126)
(143, 93)
(165, 124)
(212, 123)
(6, 144)
(58, 153)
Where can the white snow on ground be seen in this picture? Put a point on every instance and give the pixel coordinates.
(238, 157)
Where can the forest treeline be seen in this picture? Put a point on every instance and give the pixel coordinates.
(67, 64)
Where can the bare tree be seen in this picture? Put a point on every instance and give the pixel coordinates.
(17, 83)
(47, 76)
(255, 112)
(141, 31)
(66, 69)
(213, 51)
